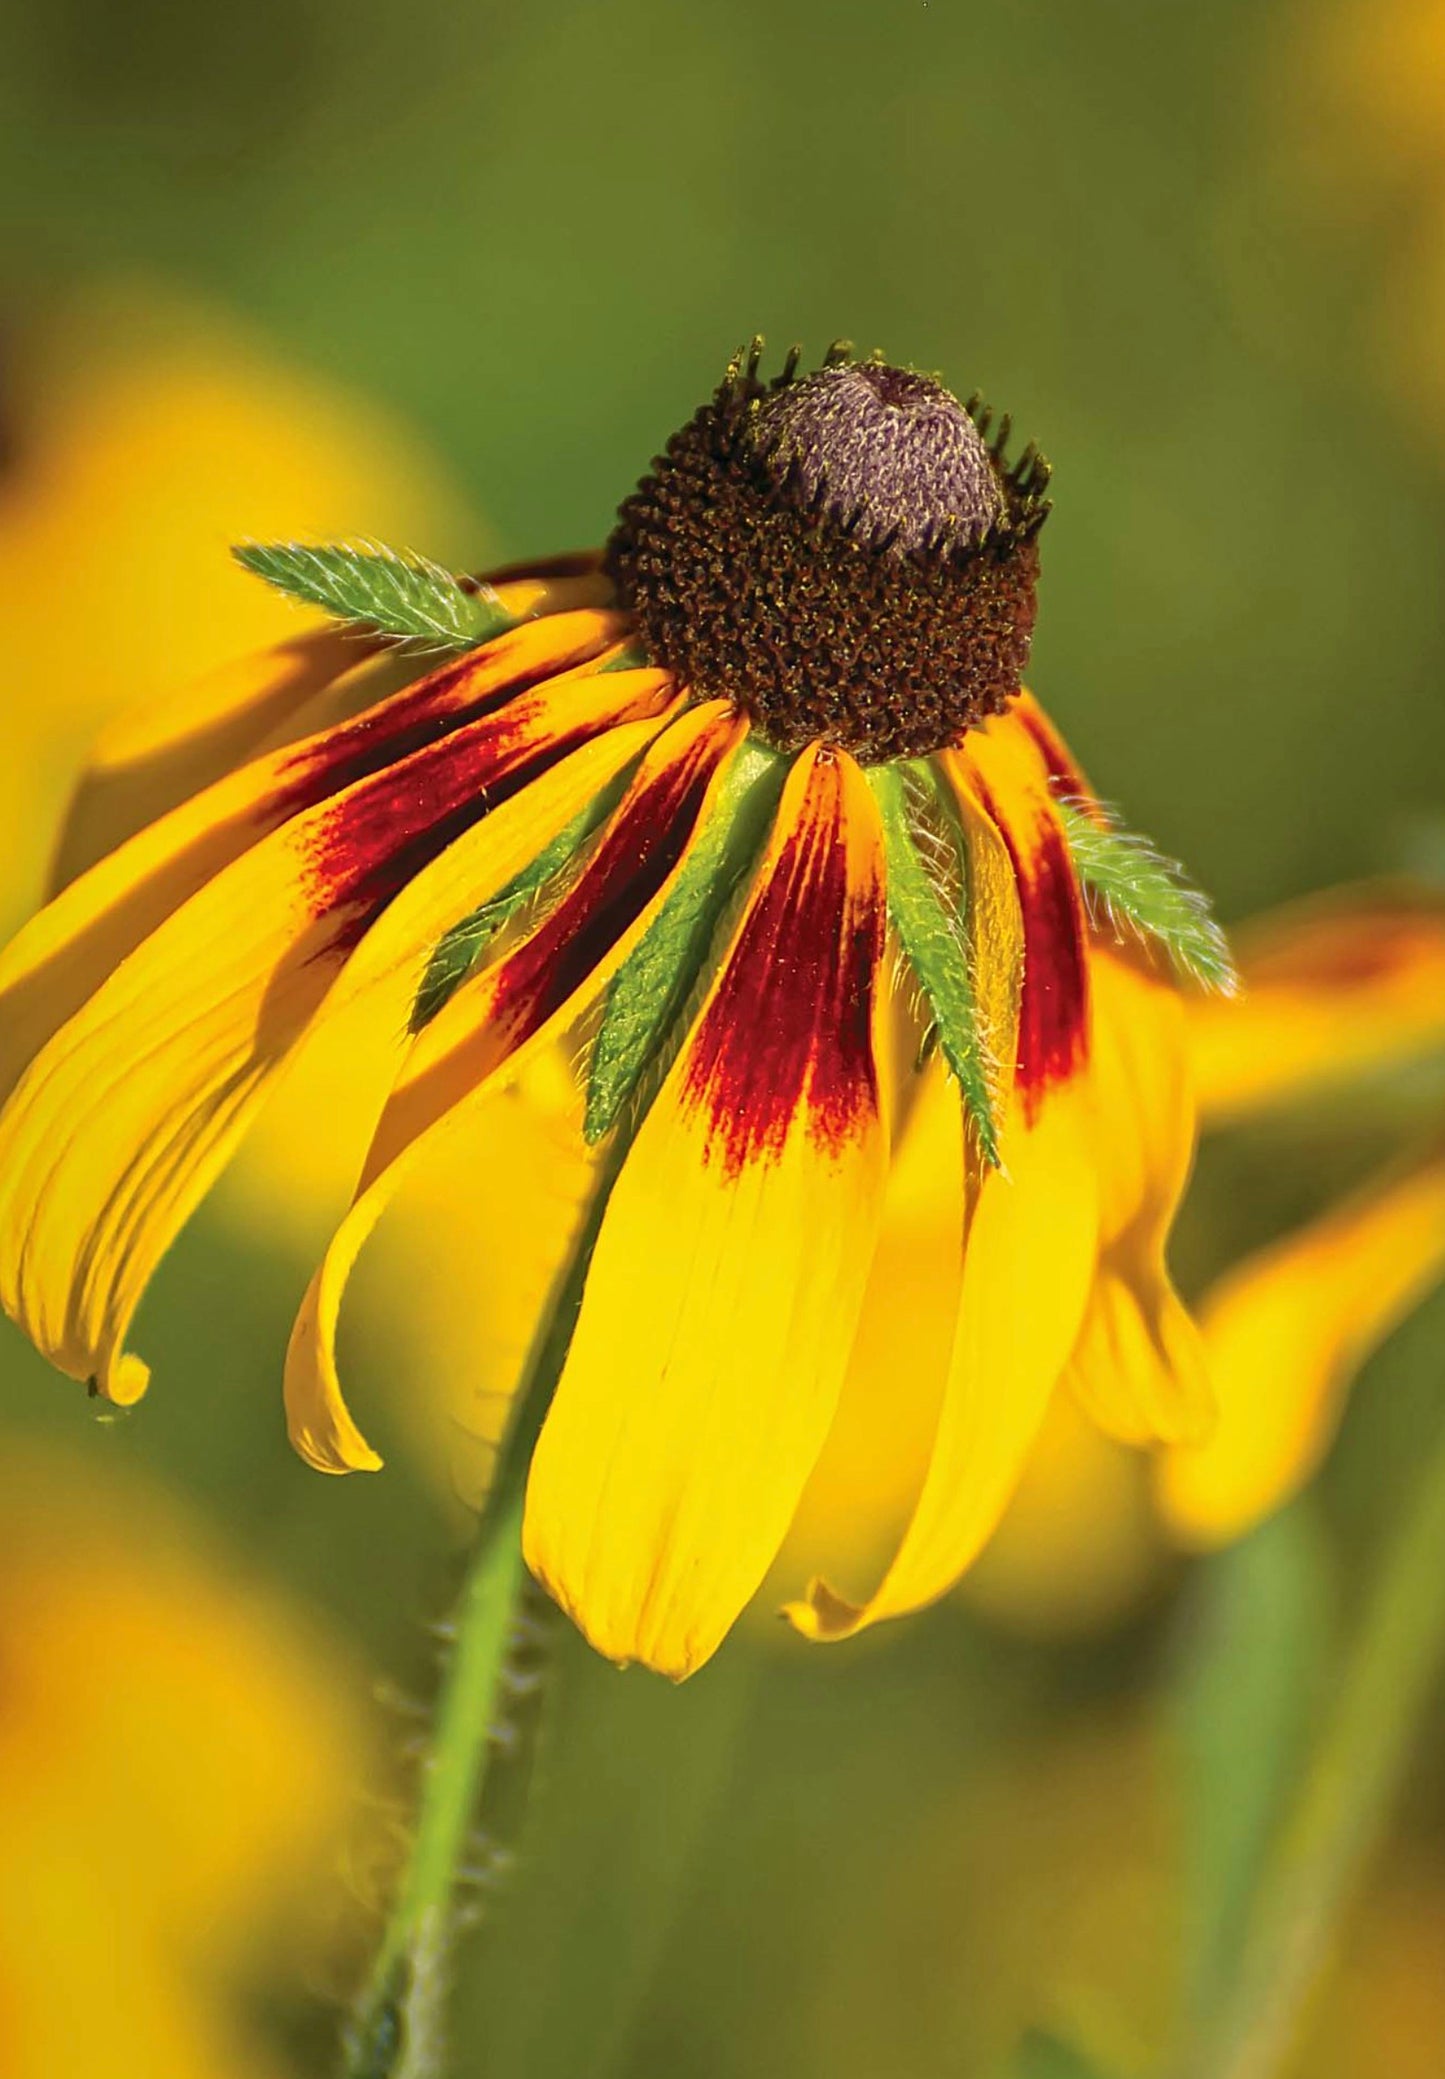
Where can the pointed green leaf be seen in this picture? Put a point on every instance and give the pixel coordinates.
(395, 593)
(927, 898)
(655, 981)
(457, 954)
(1133, 885)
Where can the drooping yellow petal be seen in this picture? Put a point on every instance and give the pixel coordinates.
(510, 1009)
(1030, 1239)
(1028, 1262)
(1284, 1334)
(722, 1298)
(857, 1503)
(149, 761)
(121, 1122)
(1138, 1367)
(143, 765)
(1334, 987)
(62, 956)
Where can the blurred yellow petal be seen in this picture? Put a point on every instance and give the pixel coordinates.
(513, 1007)
(149, 433)
(118, 1127)
(1333, 987)
(721, 1303)
(1285, 1332)
(1079, 1548)
(1138, 1367)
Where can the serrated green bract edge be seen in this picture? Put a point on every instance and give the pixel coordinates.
(935, 940)
(1134, 885)
(391, 591)
(455, 956)
(657, 977)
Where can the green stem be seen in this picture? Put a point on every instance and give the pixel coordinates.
(397, 2031)
(1345, 1799)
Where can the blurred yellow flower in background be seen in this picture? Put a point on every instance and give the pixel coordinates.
(179, 1754)
(144, 435)
(1336, 989)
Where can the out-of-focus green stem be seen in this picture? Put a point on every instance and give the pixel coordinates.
(397, 2031)
(1344, 1798)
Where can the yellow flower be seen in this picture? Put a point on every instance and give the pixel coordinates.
(177, 1762)
(704, 794)
(1334, 989)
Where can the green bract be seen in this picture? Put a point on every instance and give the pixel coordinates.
(654, 982)
(1135, 886)
(392, 592)
(928, 902)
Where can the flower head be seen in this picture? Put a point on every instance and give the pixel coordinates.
(754, 805)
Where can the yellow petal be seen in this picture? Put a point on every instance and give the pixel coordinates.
(121, 1122)
(150, 760)
(1138, 1367)
(1285, 1333)
(1028, 1262)
(1333, 988)
(513, 1007)
(722, 1298)
(63, 955)
(145, 764)
(1031, 1241)
(857, 1503)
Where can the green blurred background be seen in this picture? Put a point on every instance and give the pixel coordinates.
(1197, 253)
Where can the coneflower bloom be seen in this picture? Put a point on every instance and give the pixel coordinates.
(753, 805)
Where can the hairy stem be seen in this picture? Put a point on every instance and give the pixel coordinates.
(398, 2028)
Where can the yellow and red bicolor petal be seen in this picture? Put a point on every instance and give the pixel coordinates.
(722, 1297)
(1333, 987)
(513, 1006)
(123, 1118)
(1066, 778)
(150, 760)
(64, 954)
(146, 762)
(1002, 767)
(1029, 1236)
(1138, 1367)
(1284, 1334)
